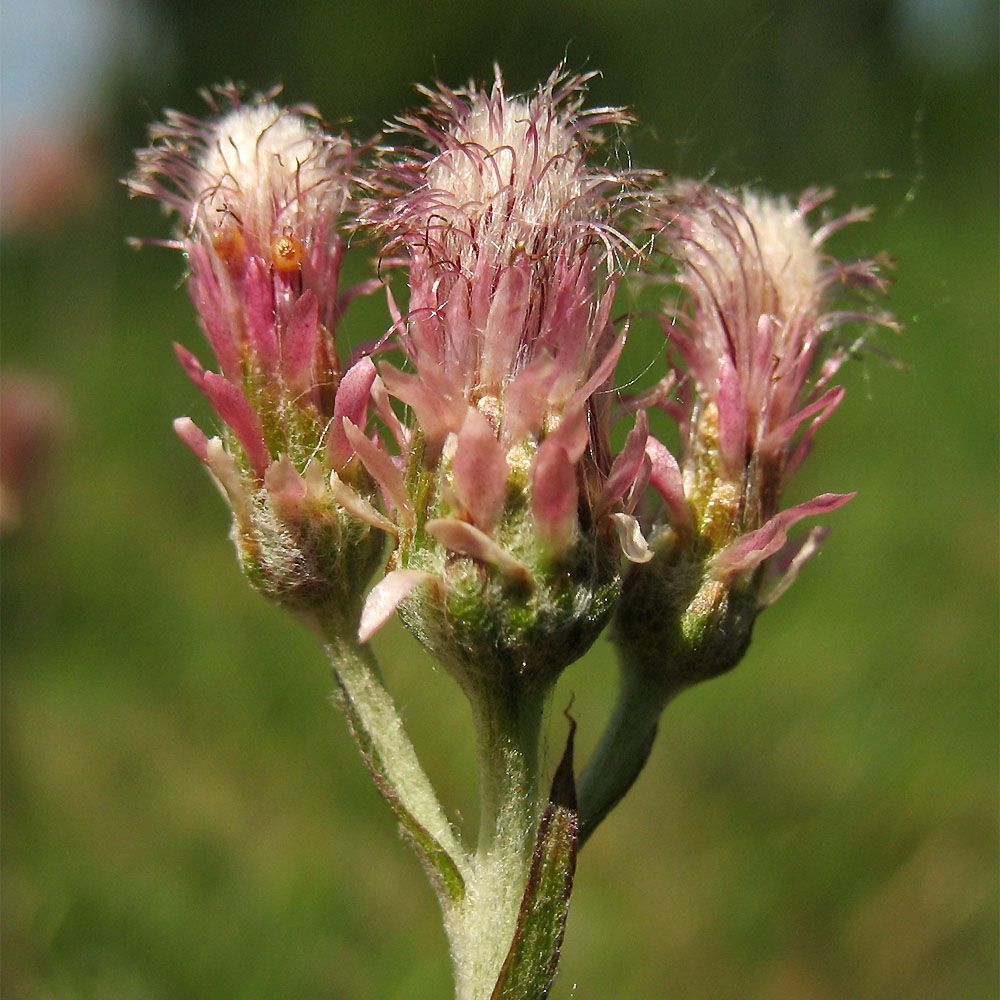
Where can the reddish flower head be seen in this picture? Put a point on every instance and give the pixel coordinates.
(259, 192)
(508, 233)
(754, 347)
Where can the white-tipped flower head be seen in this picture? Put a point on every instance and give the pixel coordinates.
(510, 180)
(259, 191)
(512, 508)
(247, 177)
(268, 174)
(754, 346)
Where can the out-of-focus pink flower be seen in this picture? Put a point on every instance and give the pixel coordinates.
(509, 234)
(259, 192)
(33, 420)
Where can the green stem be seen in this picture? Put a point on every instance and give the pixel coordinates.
(482, 928)
(389, 753)
(481, 895)
(507, 737)
(623, 749)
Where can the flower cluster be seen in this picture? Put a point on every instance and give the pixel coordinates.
(483, 450)
(508, 510)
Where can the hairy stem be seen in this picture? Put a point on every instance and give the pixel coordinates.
(481, 893)
(482, 928)
(390, 755)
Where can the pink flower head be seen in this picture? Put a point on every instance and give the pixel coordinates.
(755, 347)
(259, 192)
(508, 232)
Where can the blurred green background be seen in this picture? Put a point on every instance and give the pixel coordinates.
(184, 815)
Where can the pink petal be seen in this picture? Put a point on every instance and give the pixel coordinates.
(784, 431)
(436, 415)
(283, 477)
(554, 494)
(386, 596)
(526, 400)
(235, 409)
(826, 404)
(286, 488)
(753, 548)
(468, 540)
(382, 469)
(260, 313)
(573, 432)
(567, 321)
(208, 300)
(456, 337)
(191, 365)
(626, 465)
(351, 402)
(604, 370)
(504, 325)
(193, 436)
(298, 342)
(639, 486)
(732, 418)
(790, 560)
(383, 407)
(667, 480)
(768, 329)
(480, 290)
(480, 470)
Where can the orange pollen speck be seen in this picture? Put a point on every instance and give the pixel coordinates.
(287, 252)
(227, 243)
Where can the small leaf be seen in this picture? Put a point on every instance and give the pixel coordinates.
(385, 597)
(530, 966)
(750, 550)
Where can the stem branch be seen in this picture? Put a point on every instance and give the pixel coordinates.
(387, 748)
